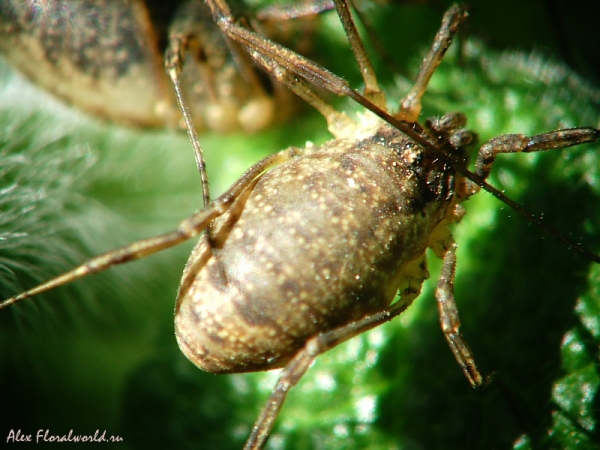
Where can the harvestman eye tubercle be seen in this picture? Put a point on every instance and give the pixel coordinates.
(359, 211)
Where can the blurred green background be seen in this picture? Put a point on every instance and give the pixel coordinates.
(100, 353)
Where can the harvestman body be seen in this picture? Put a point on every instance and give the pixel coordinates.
(310, 246)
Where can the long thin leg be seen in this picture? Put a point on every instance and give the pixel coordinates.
(410, 105)
(260, 47)
(514, 143)
(298, 64)
(372, 90)
(450, 321)
(297, 367)
(187, 229)
(282, 63)
(173, 65)
(337, 123)
(285, 57)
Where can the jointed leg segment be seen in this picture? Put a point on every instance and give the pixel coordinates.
(410, 105)
(372, 90)
(173, 66)
(280, 54)
(514, 143)
(450, 321)
(187, 229)
(297, 367)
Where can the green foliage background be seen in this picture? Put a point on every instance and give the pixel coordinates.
(100, 353)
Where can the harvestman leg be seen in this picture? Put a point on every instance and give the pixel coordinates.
(514, 143)
(188, 228)
(319, 344)
(450, 322)
(511, 143)
(315, 346)
(185, 40)
(410, 105)
(372, 90)
(260, 48)
(178, 44)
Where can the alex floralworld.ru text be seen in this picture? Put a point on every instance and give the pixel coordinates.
(16, 436)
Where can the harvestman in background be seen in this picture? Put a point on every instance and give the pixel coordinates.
(107, 58)
(357, 213)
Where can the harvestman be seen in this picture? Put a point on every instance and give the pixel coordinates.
(358, 211)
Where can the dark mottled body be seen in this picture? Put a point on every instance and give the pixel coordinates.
(106, 57)
(99, 55)
(316, 243)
